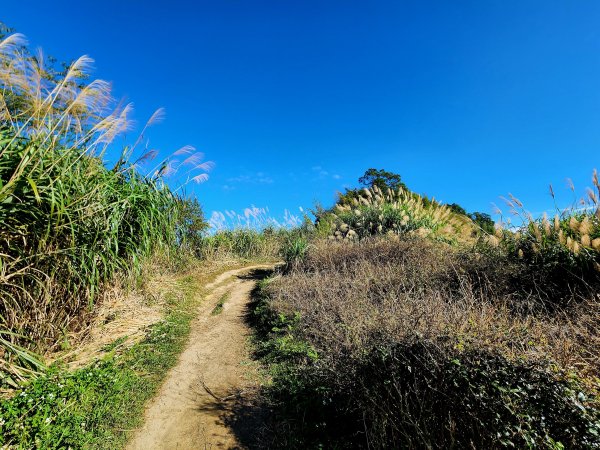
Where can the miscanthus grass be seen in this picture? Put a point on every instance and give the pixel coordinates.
(395, 212)
(566, 244)
(68, 223)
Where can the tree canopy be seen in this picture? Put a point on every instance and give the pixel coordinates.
(382, 179)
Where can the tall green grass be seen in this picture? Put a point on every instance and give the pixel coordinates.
(247, 243)
(69, 224)
(253, 234)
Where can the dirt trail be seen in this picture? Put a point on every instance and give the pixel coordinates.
(194, 407)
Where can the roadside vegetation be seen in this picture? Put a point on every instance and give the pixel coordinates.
(70, 224)
(77, 231)
(248, 243)
(97, 406)
(421, 330)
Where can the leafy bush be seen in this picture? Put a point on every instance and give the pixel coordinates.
(190, 224)
(481, 398)
(294, 249)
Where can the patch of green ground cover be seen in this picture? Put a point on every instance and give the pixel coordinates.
(218, 309)
(99, 405)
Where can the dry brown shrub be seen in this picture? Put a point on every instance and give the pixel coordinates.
(357, 299)
(396, 289)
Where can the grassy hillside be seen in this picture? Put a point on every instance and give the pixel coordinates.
(376, 211)
(417, 340)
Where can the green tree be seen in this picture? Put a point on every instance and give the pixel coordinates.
(382, 179)
(456, 208)
(484, 221)
(191, 223)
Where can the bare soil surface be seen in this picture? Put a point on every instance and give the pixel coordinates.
(206, 400)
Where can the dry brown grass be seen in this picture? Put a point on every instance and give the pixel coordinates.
(406, 288)
(124, 315)
(427, 304)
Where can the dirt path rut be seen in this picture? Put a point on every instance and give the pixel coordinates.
(193, 409)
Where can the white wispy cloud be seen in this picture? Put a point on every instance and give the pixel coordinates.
(253, 178)
(322, 173)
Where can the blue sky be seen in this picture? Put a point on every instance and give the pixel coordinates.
(467, 100)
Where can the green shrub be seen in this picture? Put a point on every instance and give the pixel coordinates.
(472, 398)
(559, 257)
(294, 249)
